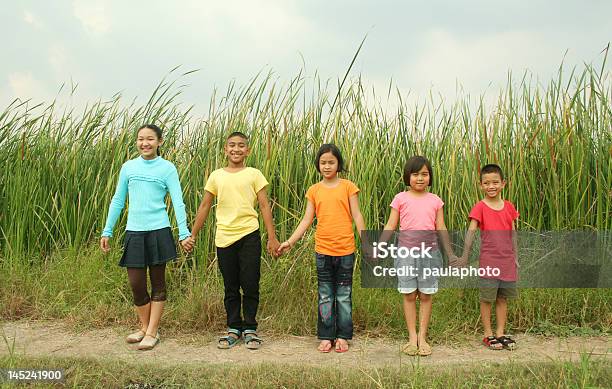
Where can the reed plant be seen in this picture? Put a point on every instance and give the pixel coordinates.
(59, 170)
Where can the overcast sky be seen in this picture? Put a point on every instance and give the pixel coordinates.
(128, 46)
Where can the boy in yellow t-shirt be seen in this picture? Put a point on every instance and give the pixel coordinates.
(237, 188)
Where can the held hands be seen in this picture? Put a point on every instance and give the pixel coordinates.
(273, 246)
(456, 261)
(104, 245)
(188, 244)
(283, 248)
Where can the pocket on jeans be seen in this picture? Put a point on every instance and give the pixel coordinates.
(320, 261)
(347, 261)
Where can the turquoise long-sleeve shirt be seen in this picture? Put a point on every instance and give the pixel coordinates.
(147, 182)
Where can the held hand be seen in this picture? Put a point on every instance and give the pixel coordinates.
(283, 248)
(188, 244)
(104, 245)
(273, 245)
(461, 261)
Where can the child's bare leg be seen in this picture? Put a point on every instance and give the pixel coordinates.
(424, 316)
(410, 315)
(157, 308)
(158, 297)
(485, 317)
(501, 312)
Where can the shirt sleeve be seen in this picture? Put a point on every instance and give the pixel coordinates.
(260, 181)
(513, 212)
(117, 203)
(211, 184)
(310, 194)
(397, 202)
(351, 188)
(476, 212)
(439, 203)
(176, 194)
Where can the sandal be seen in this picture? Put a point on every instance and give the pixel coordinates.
(492, 342)
(135, 337)
(424, 350)
(251, 340)
(410, 349)
(328, 346)
(339, 348)
(229, 341)
(507, 342)
(148, 342)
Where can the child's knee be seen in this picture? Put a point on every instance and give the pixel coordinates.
(158, 295)
(410, 297)
(424, 297)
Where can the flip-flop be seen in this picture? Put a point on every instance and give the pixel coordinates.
(339, 350)
(326, 349)
(410, 349)
(424, 350)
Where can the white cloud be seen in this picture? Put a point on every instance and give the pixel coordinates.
(57, 58)
(474, 62)
(31, 19)
(92, 15)
(24, 86)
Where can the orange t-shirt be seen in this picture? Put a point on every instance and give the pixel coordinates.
(334, 234)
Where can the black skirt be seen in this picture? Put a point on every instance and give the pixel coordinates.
(148, 248)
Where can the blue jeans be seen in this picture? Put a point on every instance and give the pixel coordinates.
(335, 277)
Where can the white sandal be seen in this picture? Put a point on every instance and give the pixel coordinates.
(136, 337)
(148, 342)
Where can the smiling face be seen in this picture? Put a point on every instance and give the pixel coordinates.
(236, 149)
(147, 143)
(419, 181)
(492, 184)
(328, 165)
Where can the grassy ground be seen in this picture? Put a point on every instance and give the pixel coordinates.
(88, 373)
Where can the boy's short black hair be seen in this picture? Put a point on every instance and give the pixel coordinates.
(329, 148)
(491, 168)
(413, 165)
(239, 134)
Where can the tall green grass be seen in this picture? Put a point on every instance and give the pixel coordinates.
(59, 171)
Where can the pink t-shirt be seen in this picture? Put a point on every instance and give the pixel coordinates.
(496, 247)
(417, 213)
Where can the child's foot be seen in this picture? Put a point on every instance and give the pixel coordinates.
(492, 342)
(148, 342)
(325, 346)
(411, 349)
(341, 345)
(424, 348)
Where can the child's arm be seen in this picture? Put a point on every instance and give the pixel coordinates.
(443, 232)
(356, 213)
(391, 225)
(176, 194)
(299, 230)
(469, 240)
(266, 212)
(114, 210)
(200, 217)
(515, 243)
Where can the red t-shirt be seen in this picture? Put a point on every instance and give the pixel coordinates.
(496, 248)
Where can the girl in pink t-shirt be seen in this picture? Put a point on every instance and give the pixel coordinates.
(419, 212)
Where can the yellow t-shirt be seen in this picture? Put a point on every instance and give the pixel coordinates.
(236, 196)
(334, 235)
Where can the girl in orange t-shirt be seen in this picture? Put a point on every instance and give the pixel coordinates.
(334, 202)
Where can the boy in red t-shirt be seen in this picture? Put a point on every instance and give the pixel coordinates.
(495, 217)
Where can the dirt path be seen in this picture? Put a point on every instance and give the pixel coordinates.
(44, 339)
